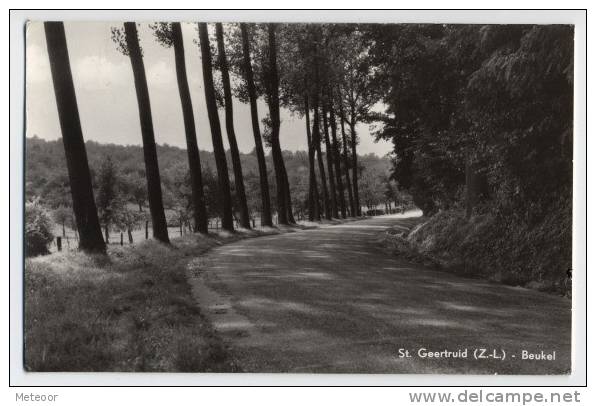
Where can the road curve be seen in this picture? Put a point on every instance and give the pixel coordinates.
(333, 299)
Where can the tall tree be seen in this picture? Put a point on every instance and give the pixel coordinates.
(273, 100)
(83, 202)
(316, 138)
(288, 196)
(254, 115)
(171, 35)
(227, 221)
(353, 142)
(449, 132)
(225, 77)
(194, 161)
(295, 55)
(128, 44)
(360, 94)
(329, 156)
(336, 162)
(158, 218)
(314, 209)
(345, 158)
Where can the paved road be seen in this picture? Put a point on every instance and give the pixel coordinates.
(333, 300)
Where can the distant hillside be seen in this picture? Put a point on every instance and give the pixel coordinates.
(46, 175)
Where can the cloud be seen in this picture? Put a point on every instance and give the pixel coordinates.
(161, 74)
(98, 73)
(38, 65)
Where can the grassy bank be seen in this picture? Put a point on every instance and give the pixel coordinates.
(503, 250)
(131, 310)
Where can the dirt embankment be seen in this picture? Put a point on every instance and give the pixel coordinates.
(536, 257)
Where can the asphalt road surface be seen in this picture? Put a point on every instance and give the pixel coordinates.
(333, 299)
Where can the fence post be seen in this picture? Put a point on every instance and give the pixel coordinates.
(121, 238)
(59, 243)
(146, 229)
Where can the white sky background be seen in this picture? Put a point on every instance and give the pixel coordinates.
(106, 95)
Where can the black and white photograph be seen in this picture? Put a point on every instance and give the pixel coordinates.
(298, 197)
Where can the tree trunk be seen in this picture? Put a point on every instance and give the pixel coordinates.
(252, 95)
(63, 230)
(83, 202)
(273, 101)
(192, 149)
(336, 161)
(354, 166)
(227, 222)
(329, 156)
(471, 187)
(314, 210)
(130, 241)
(344, 142)
(158, 218)
(225, 78)
(316, 138)
(288, 196)
(121, 238)
(107, 232)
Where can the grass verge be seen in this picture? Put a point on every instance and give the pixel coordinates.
(130, 311)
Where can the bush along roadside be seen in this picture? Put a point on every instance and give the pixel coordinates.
(491, 247)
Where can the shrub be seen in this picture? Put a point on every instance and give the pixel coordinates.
(38, 229)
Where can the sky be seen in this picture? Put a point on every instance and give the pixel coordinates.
(106, 98)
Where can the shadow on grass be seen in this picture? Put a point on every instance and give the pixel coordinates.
(130, 310)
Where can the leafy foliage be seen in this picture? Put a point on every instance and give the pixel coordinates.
(163, 33)
(38, 229)
(119, 39)
(108, 200)
(496, 101)
(497, 97)
(46, 168)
